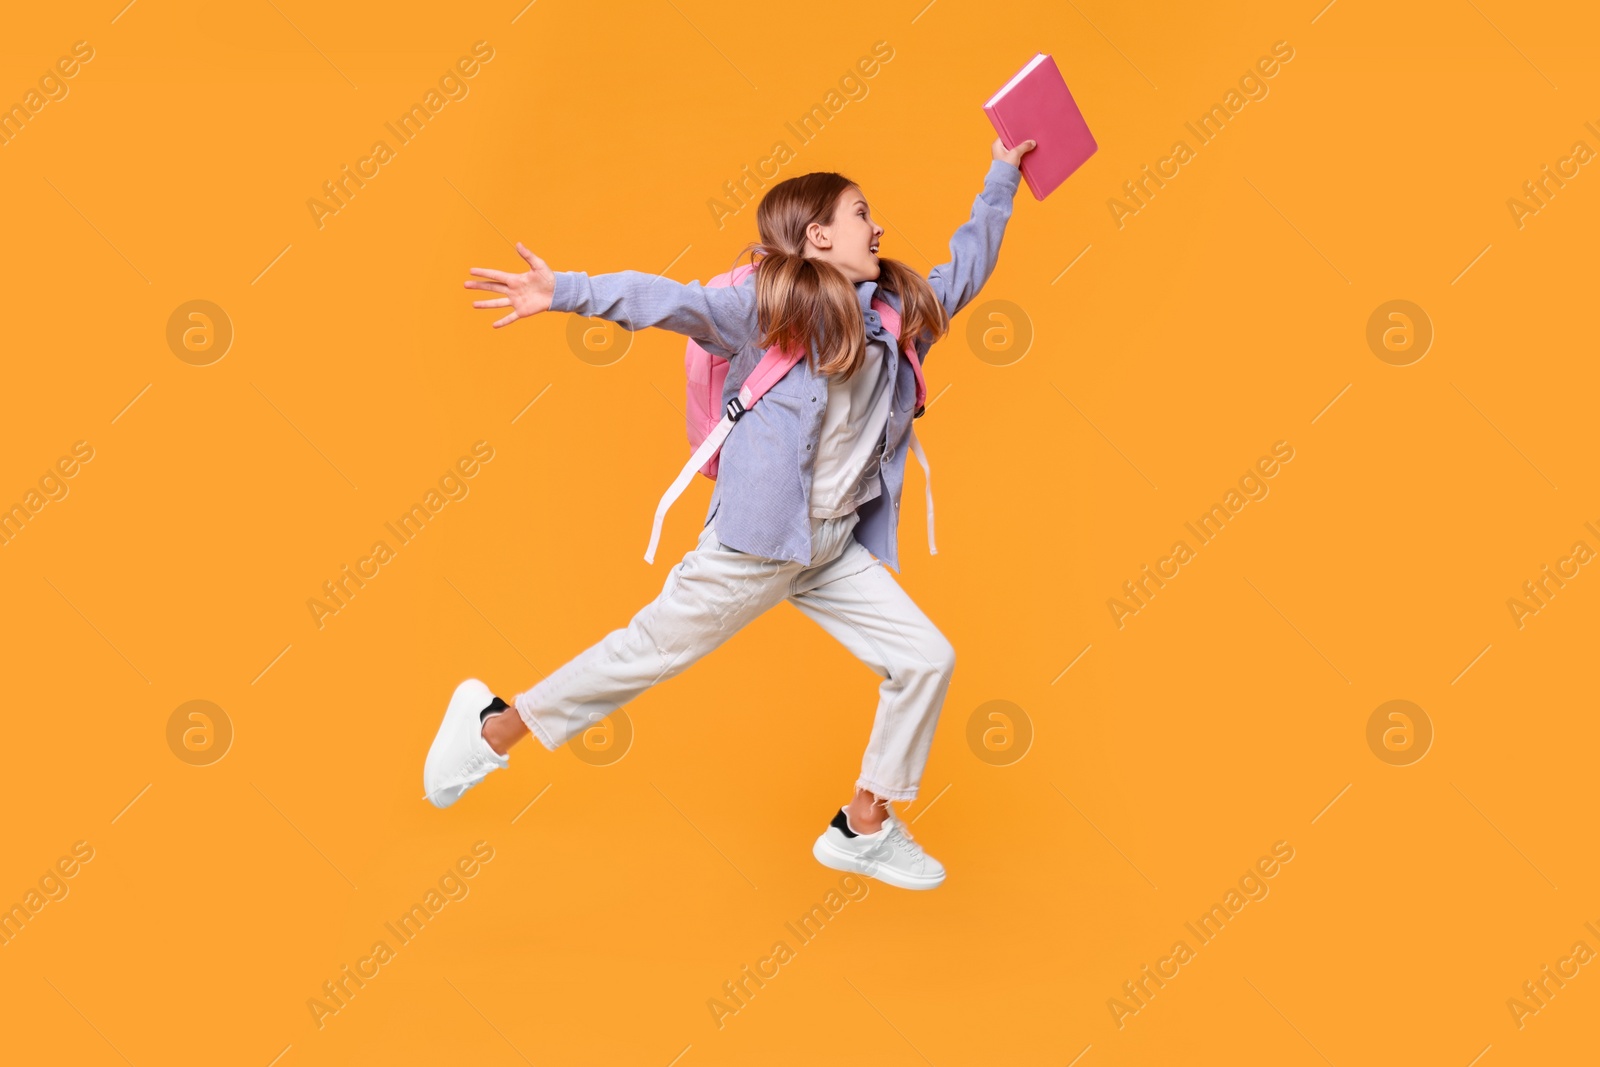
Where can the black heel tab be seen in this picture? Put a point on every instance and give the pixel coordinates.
(493, 709)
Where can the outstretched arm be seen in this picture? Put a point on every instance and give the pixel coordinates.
(975, 247)
(720, 320)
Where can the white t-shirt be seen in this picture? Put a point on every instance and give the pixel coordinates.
(845, 474)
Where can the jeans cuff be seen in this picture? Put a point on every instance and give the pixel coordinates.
(533, 724)
(909, 793)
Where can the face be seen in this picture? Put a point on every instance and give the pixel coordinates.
(850, 241)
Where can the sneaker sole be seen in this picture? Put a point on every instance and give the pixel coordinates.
(470, 698)
(829, 856)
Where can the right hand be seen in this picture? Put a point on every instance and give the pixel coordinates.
(1012, 156)
(526, 294)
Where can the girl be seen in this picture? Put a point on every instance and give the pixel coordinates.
(807, 497)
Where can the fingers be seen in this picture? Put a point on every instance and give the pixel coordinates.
(502, 282)
(1012, 155)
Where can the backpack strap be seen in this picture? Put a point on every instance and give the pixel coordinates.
(891, 322)
(773, 366)
(927, 485)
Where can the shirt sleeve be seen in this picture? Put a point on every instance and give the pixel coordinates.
(721, 320)
(975, 247)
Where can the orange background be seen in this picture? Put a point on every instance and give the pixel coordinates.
(1227, 715)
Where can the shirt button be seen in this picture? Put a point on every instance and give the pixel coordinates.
(808, 448)
(813, 400)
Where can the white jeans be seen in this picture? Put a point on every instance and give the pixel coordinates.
(715, 591)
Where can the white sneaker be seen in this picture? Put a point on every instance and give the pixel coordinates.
(460, 758)
(890, 855)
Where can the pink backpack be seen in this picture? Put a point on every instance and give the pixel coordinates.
(709, 422)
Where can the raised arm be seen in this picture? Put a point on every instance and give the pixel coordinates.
(975, 247)
(720, 320)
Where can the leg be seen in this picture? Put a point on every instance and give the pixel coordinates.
(867, 810)
(857, 600)
(707, 598)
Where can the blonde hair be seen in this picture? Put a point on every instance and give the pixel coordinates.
(809, 304)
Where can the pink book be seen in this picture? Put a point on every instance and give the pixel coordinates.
(1035, 104)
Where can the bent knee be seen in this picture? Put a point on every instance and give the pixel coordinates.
(939, 655)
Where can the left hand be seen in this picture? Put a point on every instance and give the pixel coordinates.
(526, 294)
(1013, 156)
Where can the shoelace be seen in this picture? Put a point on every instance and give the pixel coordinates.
(477, 768)
(902, 839)
(897, 838)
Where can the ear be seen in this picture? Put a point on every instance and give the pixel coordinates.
(817, 236)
